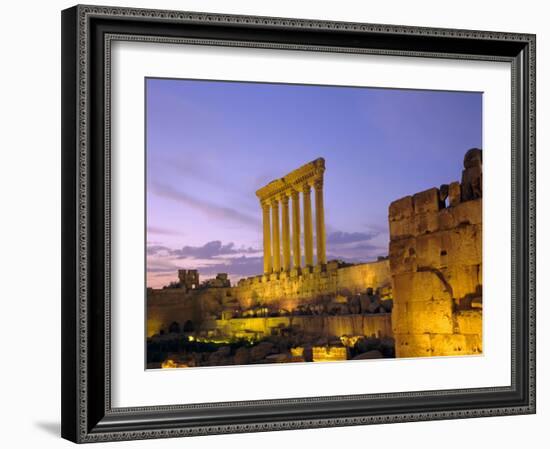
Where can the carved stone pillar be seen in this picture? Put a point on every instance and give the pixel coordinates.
(296, 250)
(267, 238)
(308, 226)
(276, 240)
(320, 223)
(286, 233)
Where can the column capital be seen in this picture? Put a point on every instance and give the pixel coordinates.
(284, 198)
(306, 188)
(318, 183)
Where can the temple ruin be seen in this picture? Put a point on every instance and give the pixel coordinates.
(436, 267)
(279, 193)
(424, 299)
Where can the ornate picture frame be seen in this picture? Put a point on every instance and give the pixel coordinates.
(87, 411)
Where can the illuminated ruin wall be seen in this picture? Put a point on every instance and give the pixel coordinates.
(378, 326)
(169, 305)
(277, 292)
(290, 291)
(436, 267)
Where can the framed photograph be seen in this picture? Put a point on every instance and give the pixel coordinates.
(278, 223)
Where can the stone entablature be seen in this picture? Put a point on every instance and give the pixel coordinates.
(277, 195)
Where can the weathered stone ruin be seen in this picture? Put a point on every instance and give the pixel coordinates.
(425, 299)
(436, 267)
(189, 279)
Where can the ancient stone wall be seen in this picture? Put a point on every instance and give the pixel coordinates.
(277, 292)
(378, 325)
(289, 291)
(168, 305)
(436, 269)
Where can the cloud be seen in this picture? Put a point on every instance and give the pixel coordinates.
(162, 231)
(210, 259)
(217, 257)
(210, 209)
(161, 265)
(210, 250)
(355, 246)
(238, 266)
(156, 249)
(340, 237)
(361, 252)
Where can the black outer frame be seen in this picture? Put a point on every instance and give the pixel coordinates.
(87, 415)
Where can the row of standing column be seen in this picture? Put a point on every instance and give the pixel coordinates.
(273, 230)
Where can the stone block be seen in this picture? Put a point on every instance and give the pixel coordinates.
(426, 201)
(449, 344)
(426, 222)
(413, 345)
(455, 344)
(474, 344)
(463, 280)
(297, 352)
(402, 255)
(402, 228)
(401, 208)
(400, 318)
(419, 286)
(446, 219)
(428, 251)
(469, 212)
(454, 194)
(430, 316)
(471, 183)
(463, 245)
(469, 322)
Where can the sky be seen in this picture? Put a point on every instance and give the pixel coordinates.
(211, 144)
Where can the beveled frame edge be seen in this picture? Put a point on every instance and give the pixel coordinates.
(78, 374)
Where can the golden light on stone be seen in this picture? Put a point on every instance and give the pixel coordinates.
(169, 363)
(424, 299)
(299, 181)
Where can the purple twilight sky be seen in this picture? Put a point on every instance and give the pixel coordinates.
(210, 145)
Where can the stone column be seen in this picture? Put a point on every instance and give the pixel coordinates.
(320, 223)
(308, 226)
(267, 238)
(286, 233)
(276, 241)
(296, 250)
